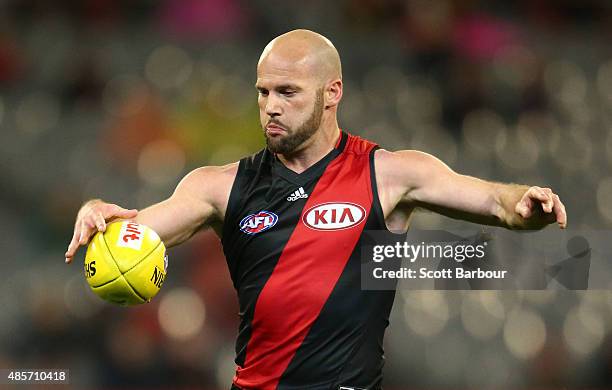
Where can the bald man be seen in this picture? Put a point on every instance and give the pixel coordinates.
(291, 218)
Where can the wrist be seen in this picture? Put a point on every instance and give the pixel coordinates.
(506, 198)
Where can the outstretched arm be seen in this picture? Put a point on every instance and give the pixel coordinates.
(421, 180)
(199, 199)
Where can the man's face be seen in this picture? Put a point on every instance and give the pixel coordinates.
(290, 104)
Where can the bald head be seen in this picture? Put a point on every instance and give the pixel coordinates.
(308, 50)
(299, 84)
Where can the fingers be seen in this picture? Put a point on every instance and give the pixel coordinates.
(560, 213)
(83, 230)
(125, 213)
(72, 247)
(99, 221)
(93, 218)
(113, 211)
(549, 202)
(88, 227)
(544, 196)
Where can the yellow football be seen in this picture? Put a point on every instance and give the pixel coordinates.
(126, 264)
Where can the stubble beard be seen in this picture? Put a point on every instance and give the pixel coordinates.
(289, 143)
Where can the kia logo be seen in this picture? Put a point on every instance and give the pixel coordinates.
(334, 216)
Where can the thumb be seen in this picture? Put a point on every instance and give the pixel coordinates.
(522, 209)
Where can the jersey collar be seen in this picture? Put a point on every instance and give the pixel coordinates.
(314, 170)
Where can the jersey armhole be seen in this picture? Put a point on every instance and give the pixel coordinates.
(376, 205)
(234, 199)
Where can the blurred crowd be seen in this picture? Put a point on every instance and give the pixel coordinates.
(118, 100)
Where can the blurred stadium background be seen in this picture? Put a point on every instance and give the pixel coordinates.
(119, 99)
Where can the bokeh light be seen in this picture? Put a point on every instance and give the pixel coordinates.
(482, 314)
(604, 82)
(181, 313)
(37, 112)
(521, 151)
(418, 105)
(426, 312)
(524, 333)
(168, 67)
(583, 330)
(124, 95)
(437, 142)
(574, 152)
(160, 162)
(484, 132)
(608, 147)
(604, 197)
(565, 82)
(539, 298)
(230, 96)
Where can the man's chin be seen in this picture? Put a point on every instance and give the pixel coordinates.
(288, 143)
(276, 146)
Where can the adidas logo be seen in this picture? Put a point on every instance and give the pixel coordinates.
(297, 194)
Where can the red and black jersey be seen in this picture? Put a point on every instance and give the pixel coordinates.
(292, 246)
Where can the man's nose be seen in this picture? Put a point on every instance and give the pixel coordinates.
(273, 106)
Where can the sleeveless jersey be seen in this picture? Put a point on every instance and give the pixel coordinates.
(292, 246)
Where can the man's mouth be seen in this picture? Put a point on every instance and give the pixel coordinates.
(273, 129)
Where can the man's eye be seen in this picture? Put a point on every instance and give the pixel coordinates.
(288, 93)
(263, 92)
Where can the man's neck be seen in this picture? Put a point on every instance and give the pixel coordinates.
(317, 147)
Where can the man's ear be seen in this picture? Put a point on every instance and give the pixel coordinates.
(333, 93)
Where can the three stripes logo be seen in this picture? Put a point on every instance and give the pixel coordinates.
(297, 194)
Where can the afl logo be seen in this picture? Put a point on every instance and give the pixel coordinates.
(334, 216)
(259, 222)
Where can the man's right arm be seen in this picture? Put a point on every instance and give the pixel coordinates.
(199, 199)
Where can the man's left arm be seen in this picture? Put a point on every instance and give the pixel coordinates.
(421, 180)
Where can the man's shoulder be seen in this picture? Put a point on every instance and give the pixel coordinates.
(209, 185)
(357, 145)
(404, 169)
(211, 182)
(400, 160)
(214, 172)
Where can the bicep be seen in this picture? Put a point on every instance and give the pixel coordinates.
(182, 214)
